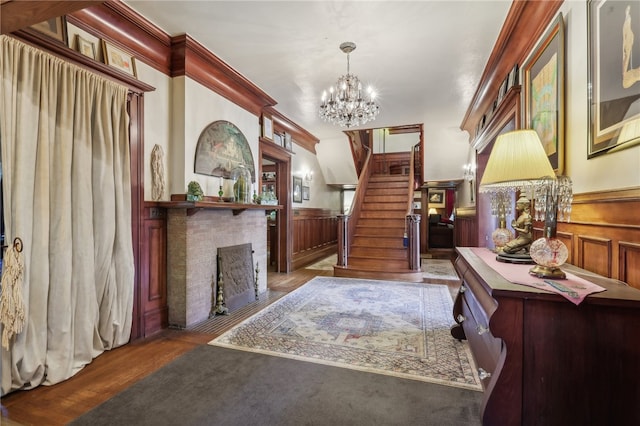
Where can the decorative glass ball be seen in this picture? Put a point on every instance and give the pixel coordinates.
(550, 252)
(500, 237)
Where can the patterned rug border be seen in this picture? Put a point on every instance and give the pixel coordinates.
(465, 347)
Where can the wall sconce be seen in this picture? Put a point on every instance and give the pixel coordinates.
(518, 162)
(469, 172)
(308, 176)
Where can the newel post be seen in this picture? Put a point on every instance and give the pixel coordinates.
(343, 239)
(413, 234)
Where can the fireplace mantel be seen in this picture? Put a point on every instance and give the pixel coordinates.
(193, 207)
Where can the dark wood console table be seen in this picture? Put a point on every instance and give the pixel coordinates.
(545, 361)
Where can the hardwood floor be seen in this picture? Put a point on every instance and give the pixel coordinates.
(115, 370)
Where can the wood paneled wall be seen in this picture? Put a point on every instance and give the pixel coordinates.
(315, 235)
(603, 235)
(393, 161)
(153, 271)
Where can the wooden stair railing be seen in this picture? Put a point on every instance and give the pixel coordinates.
(346, 226)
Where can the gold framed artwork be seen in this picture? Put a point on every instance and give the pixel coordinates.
(86, 47)
(436, 198)
(614, 98)
(267, 127)
(118, 58)
(55, 28)
(543, 83)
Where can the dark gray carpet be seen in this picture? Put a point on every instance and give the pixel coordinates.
(217, 386)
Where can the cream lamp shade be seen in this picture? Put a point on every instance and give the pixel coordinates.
(516, 160)
(433, 211)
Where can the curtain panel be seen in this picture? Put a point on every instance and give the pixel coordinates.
(67, 194)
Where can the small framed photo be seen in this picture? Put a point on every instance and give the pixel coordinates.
(55, 28)
(305, 193)
(288, 144)
(297, 189)
(86, 47)
(119, 59)
(436, 198)
(267, 127)
(278, 139)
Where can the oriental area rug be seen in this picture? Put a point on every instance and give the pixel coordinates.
(386, 327)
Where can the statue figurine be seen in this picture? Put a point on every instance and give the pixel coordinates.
(523, 226)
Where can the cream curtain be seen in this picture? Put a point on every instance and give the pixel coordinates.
(66, 181)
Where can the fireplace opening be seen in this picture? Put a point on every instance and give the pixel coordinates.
(236, 285)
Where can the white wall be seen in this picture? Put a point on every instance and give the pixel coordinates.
(383, 142)
(336, 162)
(321, 195)
(158, 125)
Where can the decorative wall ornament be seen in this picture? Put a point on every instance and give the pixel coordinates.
(221, 147)
(157, 173)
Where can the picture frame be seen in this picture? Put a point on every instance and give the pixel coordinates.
(614, 98)
(86, 47)
(436, 198)
(306, 193)
(297, 189)
(288, 143)
(543, 84)
(119, 59)
(55, 28)
(278, 139)
(267, 127)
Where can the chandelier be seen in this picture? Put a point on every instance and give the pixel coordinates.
(346, 105)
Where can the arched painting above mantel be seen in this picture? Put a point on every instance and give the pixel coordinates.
(221, 147)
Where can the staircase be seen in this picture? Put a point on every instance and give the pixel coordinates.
(377, 250)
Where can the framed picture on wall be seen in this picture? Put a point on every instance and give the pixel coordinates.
(267, 127)
(543, 84)
(288, 143)
(305, 193)
(436, 198)
(86, 47)
(118, 58)
(614, 98)
(55, 28)
(297, 189)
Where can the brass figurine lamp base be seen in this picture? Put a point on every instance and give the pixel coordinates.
(542, 271)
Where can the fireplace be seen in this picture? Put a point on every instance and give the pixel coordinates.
(193, 239)
(236, 278)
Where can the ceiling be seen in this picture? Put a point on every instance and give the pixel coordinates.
(424, 58)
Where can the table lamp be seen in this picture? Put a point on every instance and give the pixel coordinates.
(518, 162)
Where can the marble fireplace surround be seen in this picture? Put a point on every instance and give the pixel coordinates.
(193, 240)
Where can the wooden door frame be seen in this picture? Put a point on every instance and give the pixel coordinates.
(284, 218)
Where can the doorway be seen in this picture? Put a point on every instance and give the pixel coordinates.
(276, 161)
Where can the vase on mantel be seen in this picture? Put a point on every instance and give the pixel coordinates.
(241, 177)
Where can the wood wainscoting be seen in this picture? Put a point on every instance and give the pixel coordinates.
(603, 235)
(315, 235)
(154, 311)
